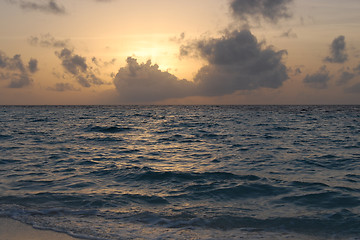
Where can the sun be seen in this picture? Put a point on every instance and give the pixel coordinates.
(160, 50)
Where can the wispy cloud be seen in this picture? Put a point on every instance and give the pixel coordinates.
(345, 77)
(45, 6)
(48, 41)
(288, 34)
(318, 80)
(354, 89)
(62, 87)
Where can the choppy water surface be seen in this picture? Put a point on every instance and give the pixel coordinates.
(183, 172)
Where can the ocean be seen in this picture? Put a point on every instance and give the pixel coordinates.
(183, 172)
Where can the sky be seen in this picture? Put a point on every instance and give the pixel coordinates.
(75, 52)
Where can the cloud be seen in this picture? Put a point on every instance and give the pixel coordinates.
(62, 87)
(288, 34)
(14, 64)
(89, 80)
(13, 70)
(33, 65)
(46, 6)
(338, 51)
(76, 65)
(354, 89)
(48, 41)
(147, 83)
(270, 10)
(297, 70)
(345, 78)
(20, 81)
(318, 80)
(72, 63)
(357, 69)
(178, 39)
(101, 63)
(237, 61)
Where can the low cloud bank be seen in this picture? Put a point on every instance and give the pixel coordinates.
(236, 61)
(147, 83)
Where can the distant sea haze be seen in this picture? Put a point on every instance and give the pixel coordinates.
(183, 172)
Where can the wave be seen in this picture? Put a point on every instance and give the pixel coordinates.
(331, 162)
(178, 169)
(108, 129)
(9, 161)
(255, 190)
(342, 224)
(41, 120)
(146, 198)
(67, 201)
(324, 200)
(149, 174)
(5, 137)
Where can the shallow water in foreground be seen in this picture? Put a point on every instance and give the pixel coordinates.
(183, 172)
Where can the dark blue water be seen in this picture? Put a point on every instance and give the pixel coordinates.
(183, 172)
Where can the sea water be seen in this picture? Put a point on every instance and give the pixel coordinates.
(183, 172)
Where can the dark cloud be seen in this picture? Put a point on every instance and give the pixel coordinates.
(33, 65)
(76, 65)
(62, 87)
(95, 61)
(49, 6)
(318, 80)
(72, 63)
(297, 71)
(20, 81)
(89, 80)
(13, 70)
(338, 51)
(48, 41)
(345, 77)
(14, 64)
(237, 61)
(147, 83)
(271, 10)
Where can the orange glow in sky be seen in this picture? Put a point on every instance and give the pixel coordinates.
(201, 52)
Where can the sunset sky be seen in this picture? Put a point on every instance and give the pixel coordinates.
(179, 52)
